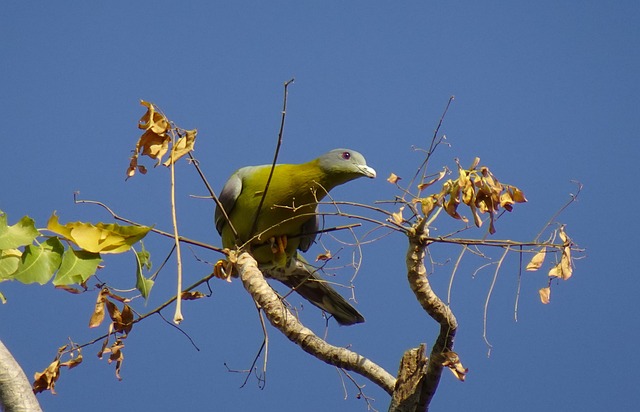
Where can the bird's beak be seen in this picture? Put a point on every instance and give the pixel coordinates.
(367, 171)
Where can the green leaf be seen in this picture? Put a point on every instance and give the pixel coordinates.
(20, 234)
(99, 238)
(143, 284)
(77, 266)
(39, 262)
(9, 260)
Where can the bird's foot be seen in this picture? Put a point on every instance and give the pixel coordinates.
(223, 270)
(279, 248)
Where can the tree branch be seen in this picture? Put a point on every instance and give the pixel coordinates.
(15, 389)
(435, 307)
(282, 319)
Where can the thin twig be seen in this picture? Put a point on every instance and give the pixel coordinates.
(275, 155)
(486, 303)
(213, 194)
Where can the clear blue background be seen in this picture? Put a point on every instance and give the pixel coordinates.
(545, 92)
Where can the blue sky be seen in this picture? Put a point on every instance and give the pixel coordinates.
(545, 92)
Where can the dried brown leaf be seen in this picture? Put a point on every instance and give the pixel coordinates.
(153, 120)
(438, 177)
(192, 295)
(393, 178)
(452, 361)
(537, 260)
(46, 380)
(98, 312)
(183, 146)
(324, 256)
(545, 295)
(397, 216)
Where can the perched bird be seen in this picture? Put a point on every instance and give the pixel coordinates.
(287, 221)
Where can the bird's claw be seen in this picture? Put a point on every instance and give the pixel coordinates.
(223, 269)
(279, 248)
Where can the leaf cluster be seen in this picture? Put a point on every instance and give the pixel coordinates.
(71, 256)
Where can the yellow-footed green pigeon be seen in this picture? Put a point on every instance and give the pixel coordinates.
(288, 221)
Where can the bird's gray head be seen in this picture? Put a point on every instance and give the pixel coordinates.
(347, 163)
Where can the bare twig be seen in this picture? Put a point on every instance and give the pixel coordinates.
(275, 155)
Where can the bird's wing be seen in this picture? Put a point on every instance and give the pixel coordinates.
(228, 196)
(309, 232)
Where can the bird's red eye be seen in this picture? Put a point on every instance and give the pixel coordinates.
(346, 155)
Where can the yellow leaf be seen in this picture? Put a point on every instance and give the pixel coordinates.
(517, 195)
(545, 295)
(153, 145)
(506, 201)
(468, 193)
(397, 216)
(99, 238)
(475, 163)
(438, 177)
(152, 120)
(183, 146)
(537, 260)
(565, 263)
(393, 178)
(428, 204)
(556, 271)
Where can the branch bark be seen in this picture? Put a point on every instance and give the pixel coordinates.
(423, 389)
(282, 319)
(15, 389)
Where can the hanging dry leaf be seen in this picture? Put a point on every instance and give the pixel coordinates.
(98, 312)
(183, 146)
(506, 201)
(437, 178)
(193, 295)
(452, 361)
(46, 380)
(393, 178)
(556, 271)
(537, 260)
(545, 295)
(153, 120)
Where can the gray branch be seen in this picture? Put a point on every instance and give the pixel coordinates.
(16, 394)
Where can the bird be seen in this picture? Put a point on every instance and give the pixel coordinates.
(287, 221)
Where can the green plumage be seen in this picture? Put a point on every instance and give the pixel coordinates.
(289, 209)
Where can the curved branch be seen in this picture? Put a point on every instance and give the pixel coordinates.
(282, 319)
(435, 307)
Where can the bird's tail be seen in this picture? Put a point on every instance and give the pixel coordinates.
(304, 279)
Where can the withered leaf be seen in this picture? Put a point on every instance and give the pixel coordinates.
(46, 380)
(98, 312)
(397, 216)
(192, 295)
(437, 178)
(452, 361)
(556, 271)
(183, 146)
(537, 260)
(152, 119)
(324, 256)
(506, 201)
(545, 295)
(393, 178)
